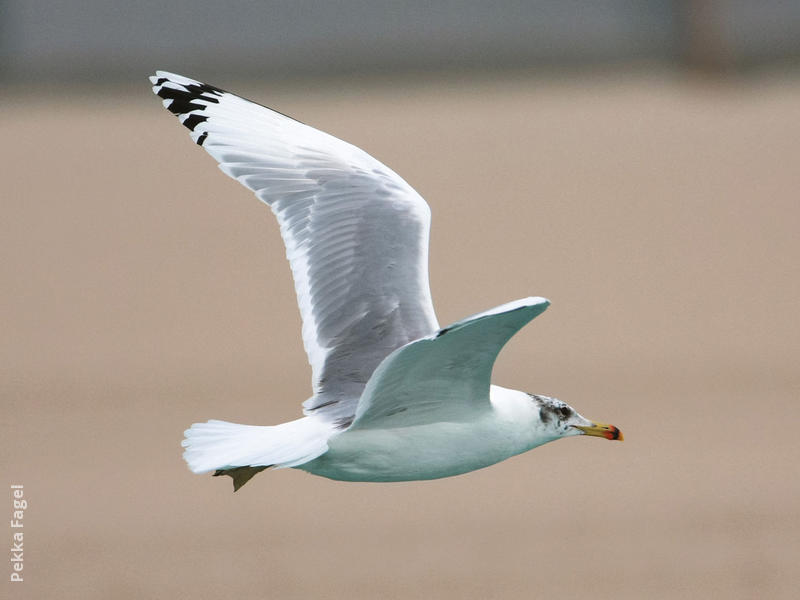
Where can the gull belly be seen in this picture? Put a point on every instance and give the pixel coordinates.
(429, 451)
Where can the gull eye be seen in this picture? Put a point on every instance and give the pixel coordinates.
(565, 412)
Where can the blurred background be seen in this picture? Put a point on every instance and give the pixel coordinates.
(636, 163)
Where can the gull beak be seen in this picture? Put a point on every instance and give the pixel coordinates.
(610, 432)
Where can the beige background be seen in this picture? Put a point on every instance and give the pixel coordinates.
(143, 290)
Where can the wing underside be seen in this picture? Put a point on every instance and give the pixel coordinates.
(445, 376)
(356, 234)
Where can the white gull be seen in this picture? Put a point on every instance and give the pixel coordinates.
(396, 397)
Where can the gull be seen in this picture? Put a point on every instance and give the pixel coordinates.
(395, 397)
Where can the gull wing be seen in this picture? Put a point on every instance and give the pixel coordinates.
(445, 376)
(356, 234)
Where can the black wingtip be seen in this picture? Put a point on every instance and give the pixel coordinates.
(184, 98)
(193, 120)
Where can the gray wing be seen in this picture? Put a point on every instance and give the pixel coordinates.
(444, 377)
(356, 234)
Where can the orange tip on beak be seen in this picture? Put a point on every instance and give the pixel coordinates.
(610, 432)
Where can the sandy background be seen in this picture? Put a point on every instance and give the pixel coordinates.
(144, 290)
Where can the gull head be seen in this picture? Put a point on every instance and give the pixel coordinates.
(558, 419)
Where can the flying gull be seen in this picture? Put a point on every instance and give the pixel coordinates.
(396, 397)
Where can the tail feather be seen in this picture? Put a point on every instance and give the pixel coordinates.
(223, 446)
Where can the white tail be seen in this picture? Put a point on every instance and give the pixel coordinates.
(222, 445)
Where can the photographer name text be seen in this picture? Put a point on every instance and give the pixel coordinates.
(17, 517)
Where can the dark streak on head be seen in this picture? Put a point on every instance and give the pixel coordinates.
(550, 409)
(545, 414)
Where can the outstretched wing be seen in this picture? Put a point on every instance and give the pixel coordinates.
(445, 376)
(356, 234)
